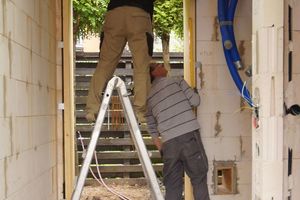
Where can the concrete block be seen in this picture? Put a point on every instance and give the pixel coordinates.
(44, 16)
(223, 101)
(228, 148)
(208, 73)
(244, 9)
(210, 53)
(40, 73)
(243, 28)
(4, 56)
(206, 8)
(6, 138)
(22, 28)
(22, 134)
(36, 38)
(296, 16)
(45, 42)
(2, 179)
(224, 80)
(207, 29)
(206, 123)
(2, 96)
(21, 63)
(9, 21)
(1, 19)
(26, 6)
(19, 176)
(39, 188)
(244, 172)
(296, 179)
(43, 130)
(296, 52)
(18, 98)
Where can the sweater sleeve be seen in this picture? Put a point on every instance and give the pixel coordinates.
(191, 94)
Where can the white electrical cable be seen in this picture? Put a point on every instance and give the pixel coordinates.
(248, 100)
(99, 174)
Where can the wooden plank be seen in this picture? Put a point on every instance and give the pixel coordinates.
(116, 141)
(124, 168)
(121, 155)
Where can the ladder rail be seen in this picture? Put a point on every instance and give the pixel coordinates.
(93, 142)
(139, 143)
(149, 172)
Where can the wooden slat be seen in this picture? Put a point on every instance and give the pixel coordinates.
(116, 141)
(121, 155)
(124, 168)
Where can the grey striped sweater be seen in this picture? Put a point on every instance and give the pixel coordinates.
(169, 108)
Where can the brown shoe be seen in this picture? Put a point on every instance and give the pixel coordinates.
(90, 117)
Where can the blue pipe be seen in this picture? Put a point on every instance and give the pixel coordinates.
(230, 16)
(228, 45)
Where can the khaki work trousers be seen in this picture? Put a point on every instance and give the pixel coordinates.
(124, 24)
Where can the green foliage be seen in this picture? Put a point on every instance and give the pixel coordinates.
(88, 16)
(168, 16)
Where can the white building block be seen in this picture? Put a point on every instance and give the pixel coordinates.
(296, 15)
(2, 96)
(244, 172)
(244, 9)
(18, 98)
(9, 11)
(210, 53)
(208, 73)
(6, 140)
(22, 134)
(296, 179)
(36, 37)
(296, 51)
(44, 129)
(243, 28)
(228, 148)
(22, 27)
(209, 29)
(2, 179)
(4, 56)
(27, 7)
(45, 44)
(224, 80)
(206, 8)
(21, 65)
(1, 19)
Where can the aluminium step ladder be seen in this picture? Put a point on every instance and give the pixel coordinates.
(149, 172)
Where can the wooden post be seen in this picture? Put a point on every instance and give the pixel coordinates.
(68, 98)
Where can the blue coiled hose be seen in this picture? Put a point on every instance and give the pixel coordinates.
(226, 12)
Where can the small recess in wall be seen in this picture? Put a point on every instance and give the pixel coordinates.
(225, 177)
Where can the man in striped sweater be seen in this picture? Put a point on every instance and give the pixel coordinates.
(170, 117)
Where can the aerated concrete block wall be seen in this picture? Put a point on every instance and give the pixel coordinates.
(291, 124)
(28, 92)
(224, 118)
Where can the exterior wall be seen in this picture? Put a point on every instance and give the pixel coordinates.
(226, 125)
(267, 173)
(28, 92)
(291, 124)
